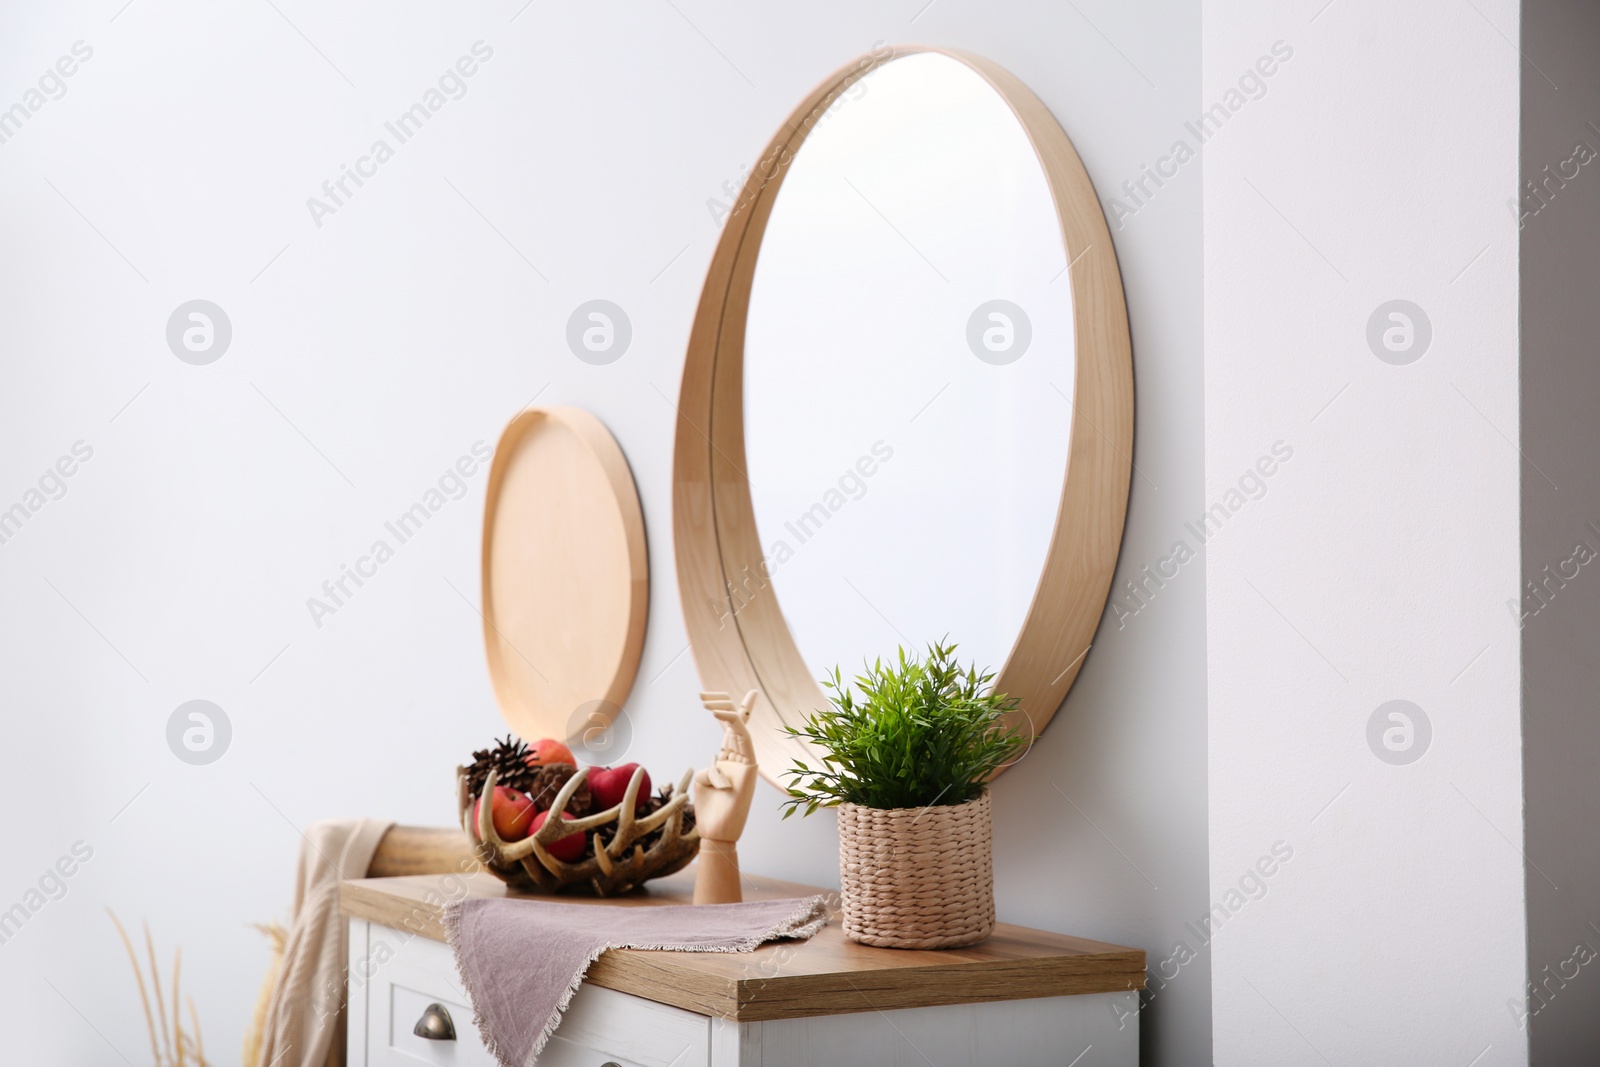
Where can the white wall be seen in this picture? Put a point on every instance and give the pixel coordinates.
(371, 352)
(1378, 565)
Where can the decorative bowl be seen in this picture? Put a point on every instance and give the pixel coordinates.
(624, 849)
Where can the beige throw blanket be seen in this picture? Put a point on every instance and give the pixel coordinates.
(305, 1017)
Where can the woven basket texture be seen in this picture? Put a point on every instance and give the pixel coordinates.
(917, 877)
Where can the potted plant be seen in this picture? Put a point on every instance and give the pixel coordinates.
(906, 758)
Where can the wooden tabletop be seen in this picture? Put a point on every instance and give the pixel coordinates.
(826, 975)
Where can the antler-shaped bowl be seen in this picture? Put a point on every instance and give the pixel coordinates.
(618, 864)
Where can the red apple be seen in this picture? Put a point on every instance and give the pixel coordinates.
(545, 751)
(608, 784)
(510, 811)
(567, 849)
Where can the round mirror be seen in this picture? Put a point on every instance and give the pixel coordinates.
(906, 412)
(908, 373)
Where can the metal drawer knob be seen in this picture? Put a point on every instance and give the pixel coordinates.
(435, 1024)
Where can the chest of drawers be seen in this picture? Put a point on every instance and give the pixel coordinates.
(1023, 997)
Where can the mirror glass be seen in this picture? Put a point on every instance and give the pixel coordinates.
(908, 372)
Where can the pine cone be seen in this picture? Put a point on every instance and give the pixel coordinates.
(509, 758)
(547, 780)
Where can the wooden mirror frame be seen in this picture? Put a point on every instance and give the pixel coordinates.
(735, 625)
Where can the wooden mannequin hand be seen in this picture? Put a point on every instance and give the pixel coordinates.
(723, 791)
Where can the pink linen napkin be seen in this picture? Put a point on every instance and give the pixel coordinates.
(522, 960)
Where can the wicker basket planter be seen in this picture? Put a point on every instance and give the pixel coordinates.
(917, 877)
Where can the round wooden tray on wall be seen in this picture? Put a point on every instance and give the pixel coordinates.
(735, 624)
(566, 578)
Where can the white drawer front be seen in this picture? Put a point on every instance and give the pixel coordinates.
(408, 974)
(600, 1027)
(603, 1026)
(402, 1045)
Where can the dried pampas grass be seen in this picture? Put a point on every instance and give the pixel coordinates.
(170, 1044)
(276, 936)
